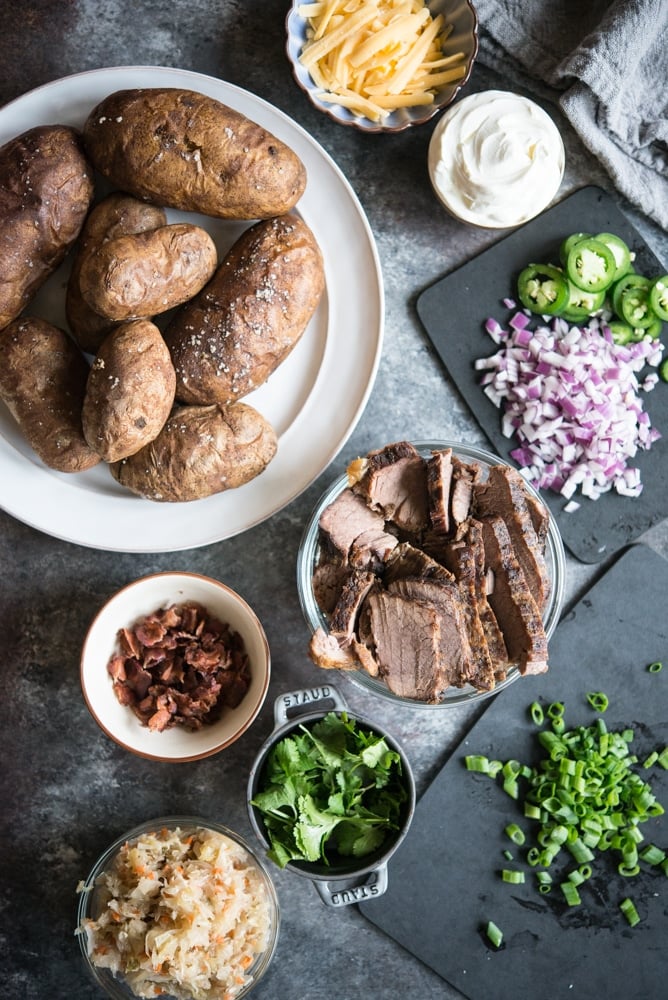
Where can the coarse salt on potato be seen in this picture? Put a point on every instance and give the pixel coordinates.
(375, 56)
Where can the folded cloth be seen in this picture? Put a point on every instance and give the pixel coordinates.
(605, 63)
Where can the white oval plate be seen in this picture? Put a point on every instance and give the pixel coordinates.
(313, 400)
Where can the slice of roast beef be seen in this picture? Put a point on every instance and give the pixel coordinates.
(495, 641)
(394, 483)
(407, 646)
(515, 609)
(329, 575)
(325, 651)
(464, 477)
(344, 520)
(503, 494)
(406, 560)
(539, 515)
(460, 560)
(457, 659)
(371, 549)
(439, 480)
(343, 622)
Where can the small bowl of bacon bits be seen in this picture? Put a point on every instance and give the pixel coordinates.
(175, 666)
(382, 65)
(433, 573)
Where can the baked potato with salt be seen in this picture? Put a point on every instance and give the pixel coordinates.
(184, 150)
(201, 450)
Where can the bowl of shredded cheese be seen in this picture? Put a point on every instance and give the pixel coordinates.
(382, 65)
(181, 908)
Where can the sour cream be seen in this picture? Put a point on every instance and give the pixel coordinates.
(496, 159)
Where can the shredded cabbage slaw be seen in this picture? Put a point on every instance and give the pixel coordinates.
(180, 913)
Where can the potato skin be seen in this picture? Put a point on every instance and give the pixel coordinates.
(229, 339)
(42, 382)
(188, 151)
(144, 274)
(46, 188)
(129, 392)
(116, 215)
(200, 451)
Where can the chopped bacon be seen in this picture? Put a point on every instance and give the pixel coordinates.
(179, 666)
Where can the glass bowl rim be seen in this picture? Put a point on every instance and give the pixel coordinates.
(308, 548)
(115, 986)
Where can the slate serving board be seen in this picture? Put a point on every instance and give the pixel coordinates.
(453, 312)
(444, 882)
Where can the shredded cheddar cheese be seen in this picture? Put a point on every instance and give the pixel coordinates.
(374, 56)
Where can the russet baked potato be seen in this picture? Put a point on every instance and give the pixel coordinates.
(185, 150)
(42, 382)
(46, 188)
(118, 214)
(229, 339)
(201, 450)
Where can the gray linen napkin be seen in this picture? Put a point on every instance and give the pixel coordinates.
(605, 62)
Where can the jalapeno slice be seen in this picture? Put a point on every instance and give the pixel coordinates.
(620, 251)
(568, 244)
(630, 280)
(581, 304)
(635, 307)
(621, 332)
(658, 297)
(543, 289)
(591, 265)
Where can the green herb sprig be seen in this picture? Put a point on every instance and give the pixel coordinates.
(333, 787)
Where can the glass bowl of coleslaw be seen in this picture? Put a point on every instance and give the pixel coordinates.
(377, 69)
(179, 907)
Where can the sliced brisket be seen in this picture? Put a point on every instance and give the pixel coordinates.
(464, 477)
(514, 607)
(343, 622)
(407, 646)
(504, 494)
(460, 560)
(344, 520)
(394, 483)
(493, 634)
(439, 479)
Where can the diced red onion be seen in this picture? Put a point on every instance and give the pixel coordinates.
(570, 397)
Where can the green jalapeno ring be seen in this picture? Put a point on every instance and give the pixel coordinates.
(658, 297)
(543, 289)
(591, 265)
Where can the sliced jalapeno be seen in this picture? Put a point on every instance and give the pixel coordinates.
(591, 265)
(658, 297)
(630, 280)
(581, 304)
(621, 332)
(635, 307)
(568, 244)
(543, 289)
(620, 252)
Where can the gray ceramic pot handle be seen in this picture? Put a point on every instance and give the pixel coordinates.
(305, 700)
(337, 894)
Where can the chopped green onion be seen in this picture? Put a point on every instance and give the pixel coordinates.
(655, 667)
(508, 855)
(571, 894)
(494, 934)
(652, 759)
(515, 833)
(628, 909)
(512, 875)
(653, 855)
(663, 758)
(555, 710)
(537, 714)
(598, 700)
(476, 762)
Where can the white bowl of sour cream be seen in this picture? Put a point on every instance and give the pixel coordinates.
(496, 159)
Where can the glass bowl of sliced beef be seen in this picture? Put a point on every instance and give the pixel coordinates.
(433, 573)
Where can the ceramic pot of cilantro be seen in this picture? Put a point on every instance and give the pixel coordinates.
(331, 795)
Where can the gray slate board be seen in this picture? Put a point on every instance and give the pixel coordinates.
(453, 312)
(444, 882)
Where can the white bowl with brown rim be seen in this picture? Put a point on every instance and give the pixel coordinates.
(144, 597)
